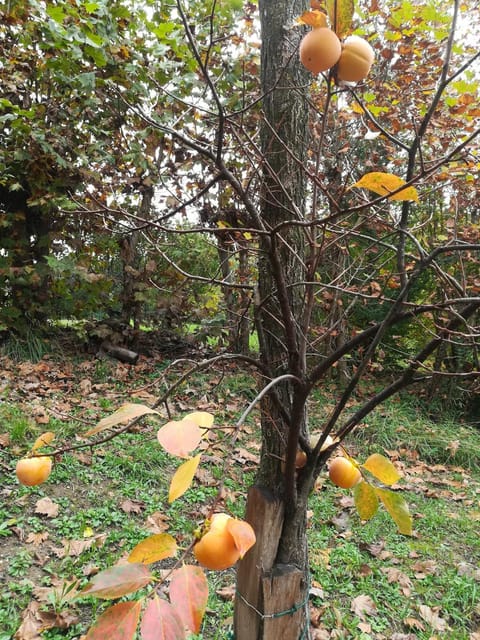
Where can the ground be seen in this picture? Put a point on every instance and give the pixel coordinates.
(368, 581)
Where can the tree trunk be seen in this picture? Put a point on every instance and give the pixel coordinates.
(272, 581)
(130, 259)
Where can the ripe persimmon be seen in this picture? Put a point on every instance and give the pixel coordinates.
(33, 471)
(320, 49)
(343, 473)
(355, 60)
(217, 549)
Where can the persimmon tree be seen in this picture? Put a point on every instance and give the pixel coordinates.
(337, 188)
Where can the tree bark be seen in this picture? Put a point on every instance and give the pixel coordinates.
(272, 582)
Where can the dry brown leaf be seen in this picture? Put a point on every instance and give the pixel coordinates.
(47, 507)
(74, 548)
(4, 439)
(40, 415)
(85, 386)
(226, 593)
(414, 623)
(424, 568)
(394, 575)
(31, 624)
(37, 538)
(132, 506)
(364, 627)
(432, 617)
(363, 605)
(157, 522)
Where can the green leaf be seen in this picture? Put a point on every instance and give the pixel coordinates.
(56, 13)
(366, 501)
(381, 468)
(397, 508)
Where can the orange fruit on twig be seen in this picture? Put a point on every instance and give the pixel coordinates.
(343, 473)
(356, 60)
(320, 49)
(33, 471)
(226, 541)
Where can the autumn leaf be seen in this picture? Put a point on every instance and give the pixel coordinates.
(125, 413)
(161, 621)
(118, 581)
(313, 19)
(180, 438)
(44, 440)
(118, 621)
(153, 549)
(182, 478)
(366, 501)
(432, 617)
(189, 595)
(202, 418)
(385, 183)
(47, 507)
(340, 13)
(363, 605)
(242, 534)
(397, 508)
(381, 468)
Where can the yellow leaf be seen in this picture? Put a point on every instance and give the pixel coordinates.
(385, 183)
(201, 418)
(126, 412)
(397, 508)
(182, 478)
(153, 549)
(366, 501)
(43, 440)
(313, 19)
(381, 468)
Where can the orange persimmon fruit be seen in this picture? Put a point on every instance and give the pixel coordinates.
(355, 60)
(320, 49)
(33, 471)
(217, 549)
(343, 473)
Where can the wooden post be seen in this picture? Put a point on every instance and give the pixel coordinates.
(284, 592)
(265, 513)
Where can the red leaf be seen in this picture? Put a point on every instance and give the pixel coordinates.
(161, 622)
(118, 581)
(180, 438)
(189, 595)
(118, 621)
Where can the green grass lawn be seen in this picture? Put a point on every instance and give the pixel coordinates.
(368, 581)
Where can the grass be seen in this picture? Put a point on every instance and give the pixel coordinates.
(115, 495)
